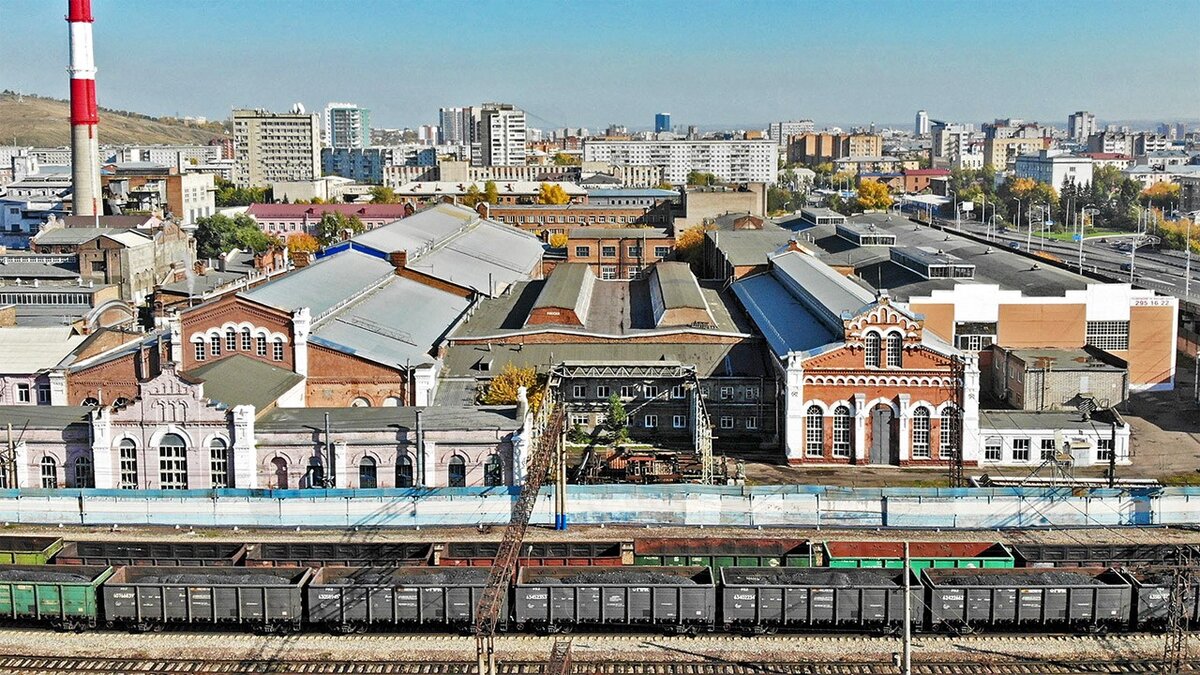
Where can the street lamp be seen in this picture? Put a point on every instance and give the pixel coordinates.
(955, 193)
(1018, 223)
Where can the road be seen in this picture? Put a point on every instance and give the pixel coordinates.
(1154, 269)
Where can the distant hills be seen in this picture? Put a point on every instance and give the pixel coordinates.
(43, 122)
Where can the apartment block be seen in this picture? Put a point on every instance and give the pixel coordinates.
(815, 148)
(272, 147)
(736, 161)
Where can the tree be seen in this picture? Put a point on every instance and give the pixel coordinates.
(564, 159)
(219, 233)
(491, 193)
(382, 194)
(472, 197)
(228, 195)
(552, 193)
(333, 225)
(559, 240)
(665, 185)
(1160, 194)
(618, 419)
(689, 246)
(872, 196)
(701, 178)
(502, 390)
(303, 242)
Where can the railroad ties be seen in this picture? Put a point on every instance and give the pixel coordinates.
(110, 666)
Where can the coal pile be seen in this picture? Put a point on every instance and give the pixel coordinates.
(31, 576)
(801, 576)
(446, 576)
(1041, 578)
(363, 578)
(615, 577)
(214, 580)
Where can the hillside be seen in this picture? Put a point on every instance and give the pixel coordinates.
(42, 122)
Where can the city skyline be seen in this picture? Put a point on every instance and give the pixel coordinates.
(676, 66)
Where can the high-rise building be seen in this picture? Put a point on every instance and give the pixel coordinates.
(456, 126)
(780, 131)
(921, 125)
(662, 122)
(501, 135)
(737, 161)
(272, 147)
(1080, 125)
(347, 126)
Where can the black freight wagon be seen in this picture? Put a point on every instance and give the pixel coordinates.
(1152, 588)
(677, 599)
(765, 599)
(346, 599)
(344, 554)
(161, 553)
(1100, 555)
(150, 597)
(962, 600)
(533, 554)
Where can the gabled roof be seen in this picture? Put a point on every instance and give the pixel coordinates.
(240, 380)
(43, 416)
(826, 292)
(30, 350)
(787, 324)
(323, 284)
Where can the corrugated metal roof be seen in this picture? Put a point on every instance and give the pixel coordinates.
(787, 324)
(418, 230)
(42, 416)
(569, 286)
(749, 247)
(323, 284)
(71, 235)
(400, 322)
(826, 292)
(241, 380)
(679, 287)
(31, 349)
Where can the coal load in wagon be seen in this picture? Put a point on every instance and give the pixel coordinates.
(38, 576)
(216, 579)
(802, 576)
(619, 577)
(1048, 577)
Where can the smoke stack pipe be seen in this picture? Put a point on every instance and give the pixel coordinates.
(85, 147)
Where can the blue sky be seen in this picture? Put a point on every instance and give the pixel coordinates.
(592, 63)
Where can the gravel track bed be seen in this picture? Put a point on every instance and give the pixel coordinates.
(587, 647)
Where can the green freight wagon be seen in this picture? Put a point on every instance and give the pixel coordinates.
(922, 554)
(64, 596)
(719, 553)
(18, 550)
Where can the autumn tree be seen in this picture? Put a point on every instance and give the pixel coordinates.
(566, 159)
(552, 193)
(334, 225)
(701, 178)
(1160, 194)
(559, 240)
(502, 390)
(472, 197)
(382, 194)
(689, 246)
(491, 193)
(665, 185)
(303, 242)
(872, 196)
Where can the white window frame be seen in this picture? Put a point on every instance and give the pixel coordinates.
(921, 433)
(726, 421)
(993, 450)
(814, 432)
(650, 391)
(752, 424)
(726, 393)
(650, 421)
(1026, 450)
(843, 437)
(578, 391)
(679, 421)
(603, 391)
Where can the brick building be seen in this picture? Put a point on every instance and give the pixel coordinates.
(818, 147)
(1058, 379)
(618, 253)
(547, 219)
(918, 180)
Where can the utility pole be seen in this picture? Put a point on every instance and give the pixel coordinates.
(1178, 614)
(906, 656)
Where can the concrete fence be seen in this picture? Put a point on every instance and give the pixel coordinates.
(783, 506)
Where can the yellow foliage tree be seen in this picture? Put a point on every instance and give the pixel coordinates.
(559, 240)
(502, 390)
(552, 193)
(872, 196)
(303, 243)
(1160, 193)
(689, 245)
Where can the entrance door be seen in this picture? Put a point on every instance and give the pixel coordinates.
(881, 435)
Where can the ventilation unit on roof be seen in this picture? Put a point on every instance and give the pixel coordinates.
(932, 264)
(864, 234)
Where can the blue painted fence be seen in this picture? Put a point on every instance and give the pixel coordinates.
(780, 506)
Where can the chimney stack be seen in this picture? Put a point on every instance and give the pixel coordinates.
(85, 147)
(399, 260)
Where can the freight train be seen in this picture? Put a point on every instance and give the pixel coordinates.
(684, 586)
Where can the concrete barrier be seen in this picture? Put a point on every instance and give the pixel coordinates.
(766, 506)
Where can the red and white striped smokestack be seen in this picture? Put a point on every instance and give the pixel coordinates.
(85, 147)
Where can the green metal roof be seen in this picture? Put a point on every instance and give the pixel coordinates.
(678, 285)
(241, 380)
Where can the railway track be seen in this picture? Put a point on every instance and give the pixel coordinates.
(29, 665)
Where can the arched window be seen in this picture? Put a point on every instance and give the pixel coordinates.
(279, 474)
(277, 350)
(246, 344)
(493, 471)
(841, 431)
(367, 478)
(91, 401)
(84, 477)
(814, 432)
(404, 471)
(872, 343)
(172, 463)
(127, 456)
(920, 433)
(314, 475)
(360, 402)
(218, 453)
(456, 472)
(895, 350)
(948, 445)
(216, 346)
(49, 472)
(231, 340)
(391, 402)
